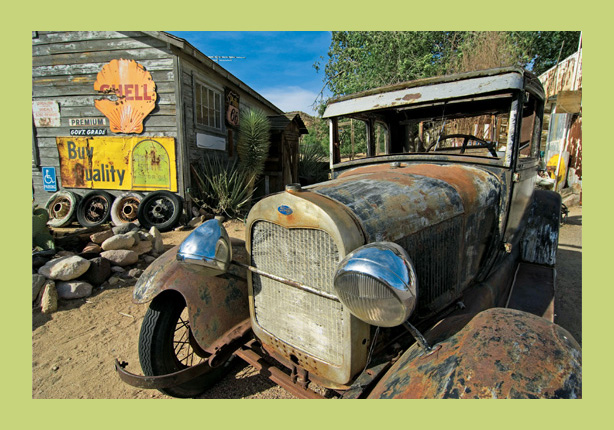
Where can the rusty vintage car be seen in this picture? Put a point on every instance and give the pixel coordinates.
(424, 268)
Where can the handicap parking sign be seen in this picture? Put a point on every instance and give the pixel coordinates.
(49, 179)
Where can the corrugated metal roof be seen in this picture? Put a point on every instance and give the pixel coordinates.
(565, 76)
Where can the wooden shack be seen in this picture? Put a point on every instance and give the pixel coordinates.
(130, 111)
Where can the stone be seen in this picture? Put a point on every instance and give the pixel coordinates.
(146, 236)
(64, 253)
(117, 269)
(158, 244)
(135, 235)
(91, 250)
(119, 241)
(39, 260)
(196, 221)
(115, 281)
(73, 289)
(49, 300)
(120, 257)
(101, 236)
(99, 271)
(220, 218)
(125, 228)
(142, 247)
(65, 268)
(149, 259)
(37, 284)
(135, 273)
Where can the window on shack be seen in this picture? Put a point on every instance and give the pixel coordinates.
(208, 106)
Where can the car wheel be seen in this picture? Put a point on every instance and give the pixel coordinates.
(166, 345)
(61, 207)
(160, 209)
(125, 208)
(94, 208)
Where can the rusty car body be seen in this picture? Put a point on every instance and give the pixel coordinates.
(424, 268)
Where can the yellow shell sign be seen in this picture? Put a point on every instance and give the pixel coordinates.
(118, 163)
(131, 95)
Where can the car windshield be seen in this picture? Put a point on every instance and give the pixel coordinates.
(474, 127)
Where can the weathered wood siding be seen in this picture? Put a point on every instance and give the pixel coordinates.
(64, 69)
(217, 78)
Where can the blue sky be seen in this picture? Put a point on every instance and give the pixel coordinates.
(277, 64)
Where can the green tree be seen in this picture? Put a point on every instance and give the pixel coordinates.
(542, 49)
(361, 60)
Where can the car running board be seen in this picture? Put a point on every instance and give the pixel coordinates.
(533, 290)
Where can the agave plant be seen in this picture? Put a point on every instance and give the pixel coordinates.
(221, 186)
(312, 164)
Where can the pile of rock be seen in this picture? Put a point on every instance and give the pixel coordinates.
(114, 257)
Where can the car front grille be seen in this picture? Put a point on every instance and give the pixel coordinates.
(304, 320)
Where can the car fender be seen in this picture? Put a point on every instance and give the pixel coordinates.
(540, 239)
(499, 353)
(215, 304)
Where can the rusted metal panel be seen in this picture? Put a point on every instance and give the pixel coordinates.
(500, 353)
(575, 145)
(387, 97)
(540, 238)
(274, 374)
(118, 163)
(565, 76)
(215, 304)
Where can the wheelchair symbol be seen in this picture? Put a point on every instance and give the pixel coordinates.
(48, 179)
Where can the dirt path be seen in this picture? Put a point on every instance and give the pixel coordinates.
(74, 349)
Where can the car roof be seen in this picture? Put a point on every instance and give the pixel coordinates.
(428, 90)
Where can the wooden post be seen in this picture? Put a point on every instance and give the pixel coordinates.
(352, 139)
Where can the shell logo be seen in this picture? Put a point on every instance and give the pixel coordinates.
(131, 95)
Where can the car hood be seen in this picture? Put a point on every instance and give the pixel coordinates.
(395, 202)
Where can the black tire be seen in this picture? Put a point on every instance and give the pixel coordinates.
(166, 345)
(125, 208)
(94, 208)
(160, 209)
(61, 207)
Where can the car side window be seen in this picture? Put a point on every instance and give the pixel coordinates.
(529, 135)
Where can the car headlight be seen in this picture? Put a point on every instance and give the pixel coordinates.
(207, 246)
(377, 283)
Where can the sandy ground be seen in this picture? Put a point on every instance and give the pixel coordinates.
(73, 350)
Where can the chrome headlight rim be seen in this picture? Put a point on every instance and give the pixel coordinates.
(391, 272)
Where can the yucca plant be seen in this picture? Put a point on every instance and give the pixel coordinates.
(312, 164)
(221, 186)
(253, 143)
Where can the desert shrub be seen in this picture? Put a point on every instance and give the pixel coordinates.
(312, 164)
(221, 186)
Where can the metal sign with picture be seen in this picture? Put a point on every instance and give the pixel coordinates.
(232, 108)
